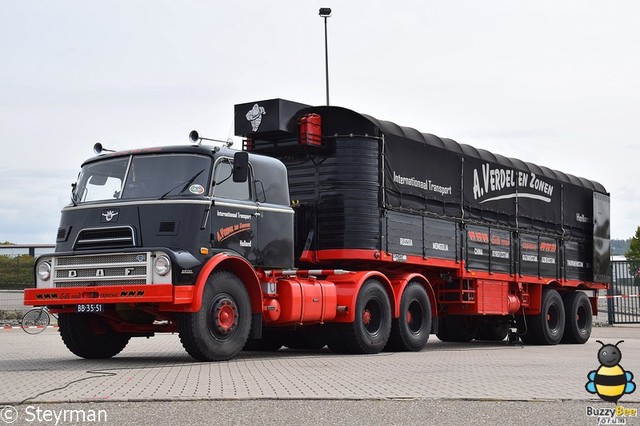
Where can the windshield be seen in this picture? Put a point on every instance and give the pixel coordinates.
(143, 176)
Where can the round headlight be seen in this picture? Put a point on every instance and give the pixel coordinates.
(44, 271)
(162, 265)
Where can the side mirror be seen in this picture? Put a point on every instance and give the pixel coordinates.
(240, 166)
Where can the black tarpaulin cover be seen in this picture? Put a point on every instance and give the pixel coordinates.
(424, 173)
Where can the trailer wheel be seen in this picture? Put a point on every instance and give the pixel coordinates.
(220, 329)
(547, 327)
(579, 317)
(369, 332)
(410, 331)
(89, 336)
(457, 328)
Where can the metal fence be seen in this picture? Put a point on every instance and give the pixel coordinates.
(16, 272)
(623, 296)
(16, 264)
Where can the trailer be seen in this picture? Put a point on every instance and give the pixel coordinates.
(330, 227)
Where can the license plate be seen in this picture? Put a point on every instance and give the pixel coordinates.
(90, 308)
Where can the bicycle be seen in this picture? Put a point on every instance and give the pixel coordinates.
(36, 320)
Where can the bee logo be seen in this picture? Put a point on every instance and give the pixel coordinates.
(610, 381)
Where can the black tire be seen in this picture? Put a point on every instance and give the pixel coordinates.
(547, 328)
(411, 330)
(493, 331)
(579, 317)
(220, 329)
(458, 328)
(369, 332)
(89, 336)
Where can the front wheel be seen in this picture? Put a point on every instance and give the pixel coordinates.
(219, 330)
(89, 336)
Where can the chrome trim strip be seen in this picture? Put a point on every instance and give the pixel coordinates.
(257, 207)
(134, 203)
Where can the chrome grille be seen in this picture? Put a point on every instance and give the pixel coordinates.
(103, 269)
(91, 283)
(103, 259)
(105, 238)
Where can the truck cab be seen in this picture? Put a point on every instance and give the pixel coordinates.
(158, 215)
(143, 224)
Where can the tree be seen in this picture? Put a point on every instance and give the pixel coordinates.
(633, 255)
(634, 247)
(16, 272)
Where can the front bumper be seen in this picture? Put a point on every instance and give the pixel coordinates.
(168, 296)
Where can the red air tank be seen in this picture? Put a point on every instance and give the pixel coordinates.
(310, 129)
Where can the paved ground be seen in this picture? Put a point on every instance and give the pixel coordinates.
(483, 382)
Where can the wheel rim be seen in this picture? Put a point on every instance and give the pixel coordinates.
(553, 318)
(372, 316)
(224, 316)
(414, 317)
(581, 318)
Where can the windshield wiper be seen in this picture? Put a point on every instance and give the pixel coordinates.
(184, 186)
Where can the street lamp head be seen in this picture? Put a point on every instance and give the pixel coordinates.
(325, 12)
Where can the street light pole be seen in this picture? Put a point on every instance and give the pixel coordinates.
(325, 13)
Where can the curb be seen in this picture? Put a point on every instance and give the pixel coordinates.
(17, 327)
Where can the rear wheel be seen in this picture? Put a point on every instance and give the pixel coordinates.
(220, 329)
(547, 328)
(579, 317)
(369, 332)
(89, 336)
(410, 331)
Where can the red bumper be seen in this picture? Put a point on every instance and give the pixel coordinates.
(167, 295)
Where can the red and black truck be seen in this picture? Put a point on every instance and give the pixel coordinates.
(330, 227)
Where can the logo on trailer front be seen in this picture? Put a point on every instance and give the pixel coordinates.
(254, 116)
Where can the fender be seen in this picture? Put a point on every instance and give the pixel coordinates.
(400, 282)
(235, 264)
(535, 297)
(348, 287)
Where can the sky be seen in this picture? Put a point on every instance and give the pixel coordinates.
(550, 82)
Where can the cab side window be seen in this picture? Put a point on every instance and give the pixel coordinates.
(225, 187)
